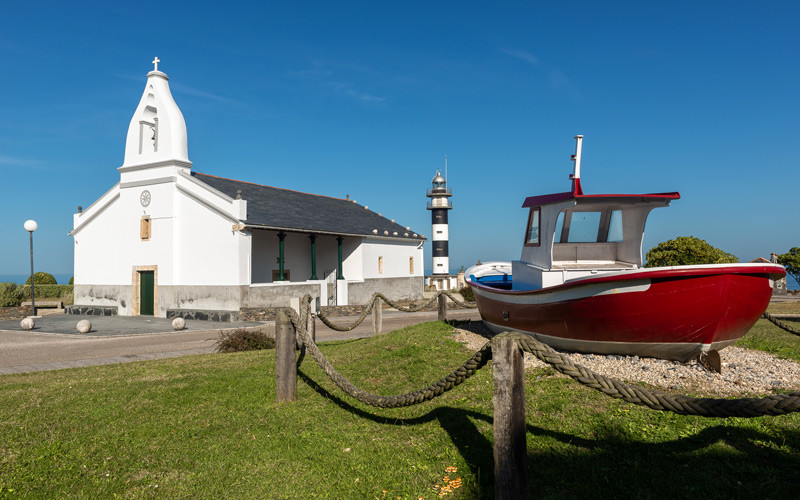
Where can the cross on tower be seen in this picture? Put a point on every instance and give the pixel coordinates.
(156, 61)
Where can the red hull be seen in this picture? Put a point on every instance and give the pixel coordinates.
(669, 313)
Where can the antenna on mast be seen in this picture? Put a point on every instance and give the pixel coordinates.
(445, 169)
(576, 173)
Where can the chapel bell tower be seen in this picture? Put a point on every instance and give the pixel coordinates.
(157, 131)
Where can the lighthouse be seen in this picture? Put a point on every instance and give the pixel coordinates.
(439, 205)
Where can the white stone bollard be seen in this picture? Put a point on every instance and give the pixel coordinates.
(27, 324)
(178, 323)
(84, 326)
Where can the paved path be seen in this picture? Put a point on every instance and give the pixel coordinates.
(55, 343)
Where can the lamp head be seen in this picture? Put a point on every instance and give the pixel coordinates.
(31, 225)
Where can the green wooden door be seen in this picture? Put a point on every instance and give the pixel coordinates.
(146, 293)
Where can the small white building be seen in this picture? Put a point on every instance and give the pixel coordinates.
(169, 241)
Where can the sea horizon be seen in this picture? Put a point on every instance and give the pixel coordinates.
(19, 279)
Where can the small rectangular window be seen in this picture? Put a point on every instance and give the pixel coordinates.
(144, 228)
(411, 265)
(532, 235)
(380, 265)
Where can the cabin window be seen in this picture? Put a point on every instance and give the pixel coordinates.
(584, 227)
(615, 226)
(559, 227)
(532, 235)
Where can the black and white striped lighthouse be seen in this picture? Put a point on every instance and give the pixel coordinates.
(439, 205)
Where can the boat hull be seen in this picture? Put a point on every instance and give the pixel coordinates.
(669, 313)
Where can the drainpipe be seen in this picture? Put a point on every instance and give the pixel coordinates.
(313, 238)
(281, 237)
(340, 276)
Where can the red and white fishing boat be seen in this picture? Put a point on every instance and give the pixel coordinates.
(580, 285)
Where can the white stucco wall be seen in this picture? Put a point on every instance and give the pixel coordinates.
(395, 256)
(192, 242)
(108, 245)
(208, 250)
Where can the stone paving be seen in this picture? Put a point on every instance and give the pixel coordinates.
(56, 344)
(104, 326)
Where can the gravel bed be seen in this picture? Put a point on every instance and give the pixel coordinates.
(745, 372)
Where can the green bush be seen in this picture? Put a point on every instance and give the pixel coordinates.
(63, 292)
(685, 251)
(41, 278)
(243, 340)
(467, 293)
(72, 280)
(10, 295)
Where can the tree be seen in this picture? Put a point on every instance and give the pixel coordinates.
(791, 261)
(686, 250)
(41, 278)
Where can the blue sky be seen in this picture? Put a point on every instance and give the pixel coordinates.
(367, 98)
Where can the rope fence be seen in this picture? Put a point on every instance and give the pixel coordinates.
(780, 404)
(510, 441)
(781, 324)
(446, 383)
(395, 305)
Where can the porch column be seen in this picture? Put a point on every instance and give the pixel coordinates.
(313, 238)
(281, 237)
(340, 276)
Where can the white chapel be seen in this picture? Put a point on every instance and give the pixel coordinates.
(169, 241)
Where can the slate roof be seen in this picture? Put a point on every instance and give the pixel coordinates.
(276, 208)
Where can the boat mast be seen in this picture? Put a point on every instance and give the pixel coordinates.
(576, 173)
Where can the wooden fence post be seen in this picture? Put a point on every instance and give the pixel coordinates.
(510, 446)
(442, 307)
(377, 316)
(285, 363)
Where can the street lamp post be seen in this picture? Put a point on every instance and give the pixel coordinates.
(31, 226)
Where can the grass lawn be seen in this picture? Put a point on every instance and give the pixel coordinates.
(789, 307)
(208, 426)
(767, 337)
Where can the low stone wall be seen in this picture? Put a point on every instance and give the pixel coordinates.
(15, 312)
(92, 310)
(257, 314)
(205, 315)
(405, 289)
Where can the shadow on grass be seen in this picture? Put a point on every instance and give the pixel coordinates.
(719, 461)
